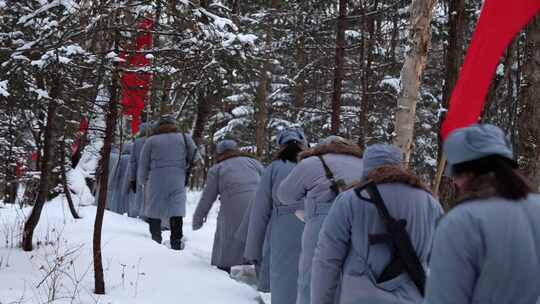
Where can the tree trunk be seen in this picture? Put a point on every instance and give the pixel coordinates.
(204, 106)
(454, 52)
(454, 58)
(366, 56)
(261, 115)
(104, 180)
(529, 128)
(65, 185)
(261, 108)
(46, 163)
(299, 89)
(339, 68)
(411, 73)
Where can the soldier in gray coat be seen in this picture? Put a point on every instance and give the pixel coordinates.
(234, 179)
(164, 160)
(309, 182)
(122, 193)
(115, 180)
(487, 249)
(114, 159)
(262, 267)
(136, 205)
(345, 257)
(274, 225)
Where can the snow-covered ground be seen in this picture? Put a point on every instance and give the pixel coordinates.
(137, 270)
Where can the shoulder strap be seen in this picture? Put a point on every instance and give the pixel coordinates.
(375, 198)
(327, 171)
(330, 176)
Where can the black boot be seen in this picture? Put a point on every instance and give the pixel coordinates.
(155, 229)
(177, 233)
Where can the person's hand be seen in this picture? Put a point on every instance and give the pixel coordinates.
(133, 186)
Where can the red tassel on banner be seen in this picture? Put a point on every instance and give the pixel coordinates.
(136, 85)
(499, 23)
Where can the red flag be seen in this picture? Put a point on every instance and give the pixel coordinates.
(499, 23)
(83, 128)
(135, 85)
(20, 170)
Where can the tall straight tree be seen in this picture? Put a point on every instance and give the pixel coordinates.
(339, 68)
(454, 52)
(529, 128)
(261, 107)
(421, 13)
(299, 89)
(366, 56)
(454, 58)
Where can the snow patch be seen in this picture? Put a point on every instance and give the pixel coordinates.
(352, 34)
(392, 82)
(4, 88)
(250, 39)
(242, 111)
(137, 270)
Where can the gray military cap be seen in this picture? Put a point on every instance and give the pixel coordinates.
(475, 142)
(296, 134)
(225, 145)
(381, 155)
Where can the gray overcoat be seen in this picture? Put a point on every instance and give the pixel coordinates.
(308, 182)
(162, 170)
(136, 206)
(262, 266)
(122, 193)
(344, 256)
(114, 158)
(487, 251)
(234, 179)
(284, 239)
(115, 181)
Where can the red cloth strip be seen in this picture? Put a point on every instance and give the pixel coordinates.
(136, 85)
(499, 22)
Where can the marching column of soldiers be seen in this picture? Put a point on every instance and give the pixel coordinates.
(334, 223)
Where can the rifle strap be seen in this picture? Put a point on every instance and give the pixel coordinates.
(375, 199)
(329, 175)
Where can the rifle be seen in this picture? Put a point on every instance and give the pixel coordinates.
(404, 257)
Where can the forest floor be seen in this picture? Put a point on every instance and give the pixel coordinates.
(137, 270)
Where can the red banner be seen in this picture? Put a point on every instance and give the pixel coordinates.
(83, 128)
(136, 85)
(499, 22)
